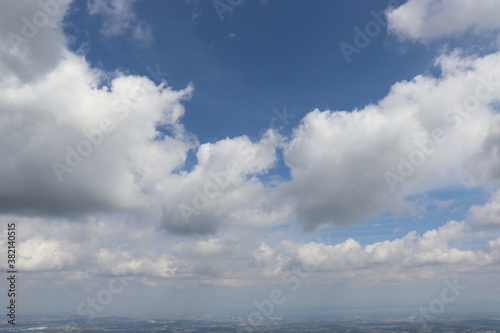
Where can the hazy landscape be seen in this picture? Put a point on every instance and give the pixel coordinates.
(459, 324)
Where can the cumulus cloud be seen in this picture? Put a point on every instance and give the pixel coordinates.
(109, 151)
(487, 215)
(223, 188)
(117, 247)
(427, 133)
(95, 146)
(116, 143)
(399, 257)
(87, 138)
(425, 20)
(44, 255)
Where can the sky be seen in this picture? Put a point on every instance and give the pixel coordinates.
(251, 158)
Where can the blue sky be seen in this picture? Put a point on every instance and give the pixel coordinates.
(208, 155)
(293, 62)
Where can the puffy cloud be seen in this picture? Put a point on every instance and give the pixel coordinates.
(425, 20)
(40, 254)
(223, 188)
(117, 247)
(494, 245)
(397, 258)
(96, 146)
(487, 215)
(426, 133)
(115, 143)
(87, 146)
(110, 150)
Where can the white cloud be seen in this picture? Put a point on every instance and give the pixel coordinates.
(44, 254)
(80, 259)
(222, 190)
(425, 20)
(430, 252)
(103, 248)
(425, 134)
(103, 218)
(338, 160)
(51, 153)
(94, 146)
(487, 215)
